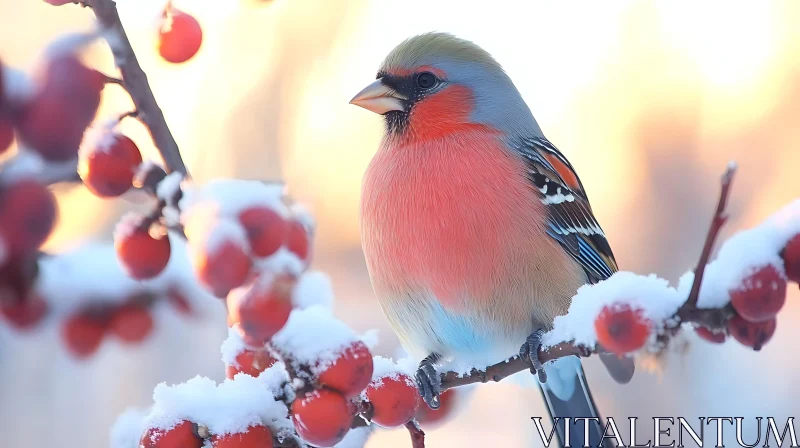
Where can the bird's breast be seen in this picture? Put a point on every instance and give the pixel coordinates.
(454, 217)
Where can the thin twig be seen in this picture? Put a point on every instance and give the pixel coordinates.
(417, 435)
(135, 82)
(716, 224)
(713, 318)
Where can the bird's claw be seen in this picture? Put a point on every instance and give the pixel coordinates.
(530, 352)
(429, 383)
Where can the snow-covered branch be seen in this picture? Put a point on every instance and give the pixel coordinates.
(739, 295)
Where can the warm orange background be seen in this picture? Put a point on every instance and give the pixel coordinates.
(648, 99)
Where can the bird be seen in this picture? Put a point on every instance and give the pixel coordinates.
(476, 229)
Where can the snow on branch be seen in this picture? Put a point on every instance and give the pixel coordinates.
(627, 314)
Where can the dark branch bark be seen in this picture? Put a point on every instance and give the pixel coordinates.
(708, 317)
(135, 82)
(417, 435)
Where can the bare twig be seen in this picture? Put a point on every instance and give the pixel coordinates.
(716, 224)
(135, 82)
(713, 318)
(417, 436)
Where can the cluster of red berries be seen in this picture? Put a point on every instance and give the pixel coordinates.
(186, 434)
(756, 301)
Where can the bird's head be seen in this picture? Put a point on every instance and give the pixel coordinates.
(436, 83)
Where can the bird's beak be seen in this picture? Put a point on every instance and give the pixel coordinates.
(379, 98)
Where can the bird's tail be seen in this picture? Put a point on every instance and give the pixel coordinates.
(567, 396)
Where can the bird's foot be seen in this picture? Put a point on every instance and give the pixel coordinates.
(429, 383)
(530, 352)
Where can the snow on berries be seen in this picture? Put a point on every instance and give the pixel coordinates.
(261, 308)
(622, 329)
(760, 295)
(240, 358)
(392, 393)
(182, 434)
(108, 162)
(180, 36)
(715, 337)
(321, 417)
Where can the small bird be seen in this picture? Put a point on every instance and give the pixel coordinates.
(476, 229)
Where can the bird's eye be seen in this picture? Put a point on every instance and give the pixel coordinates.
(426, 80)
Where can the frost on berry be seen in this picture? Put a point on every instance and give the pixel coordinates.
(713, 337)
(350, 372)
(393, 394)
(622, 329)
(28, 213)
(180, 36)
(54, 120)
(142, 255)
(791, 258)
(240, 358)
(314, 337)
(321, 417)
(751, 334)
(108, 162)
(180, 435)
(256, 436)
(760, 295)
(261, 308)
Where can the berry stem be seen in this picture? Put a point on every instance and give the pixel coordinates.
(135, 82)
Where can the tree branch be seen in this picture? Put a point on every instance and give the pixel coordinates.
(135, 82)
(713, 318)
(417, 436)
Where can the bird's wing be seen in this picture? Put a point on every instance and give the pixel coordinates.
(571, 221)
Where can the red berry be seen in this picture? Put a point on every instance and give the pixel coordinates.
(141, 255)
(132, 323)
(54, 121)
(26, 313)
(751, 334)
(621, 329)
(28, 213)
(708, 335)
(255, 437)
(266, 230)
(298, 242)
(6, 132)
(225, 267)
(433, 417)
(179, 301)
(321, 417)
(181, 435)
(180, 37)
(351, 372)
(262, 310)
(250, 362)
(791, 259)
(17, 278)
(83, 334)
(761, 295)
(108, 171)
(394, 399)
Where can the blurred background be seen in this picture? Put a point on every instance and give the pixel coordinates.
(649, 100)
